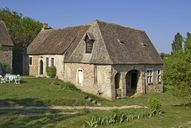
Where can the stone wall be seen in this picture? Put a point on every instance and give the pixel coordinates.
(6, 56)
(96, 78)
(34, 69)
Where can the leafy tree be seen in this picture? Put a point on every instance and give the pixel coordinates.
(22, 31)
(163, 55)
(177, 72)
(177, 43)
(187, 45)
(177, 68)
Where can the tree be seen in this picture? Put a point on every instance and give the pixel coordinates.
(22, 31)
(163, 55)
(187, 42)
(177, 68)
(177, 43)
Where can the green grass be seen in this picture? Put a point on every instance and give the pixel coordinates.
(173, 117)
(54, 118)
(165, 98)
(42, 91)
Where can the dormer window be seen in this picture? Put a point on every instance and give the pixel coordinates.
(121, 42)
(143, 44)
(89, 40)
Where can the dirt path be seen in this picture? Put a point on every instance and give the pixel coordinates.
(72, 107)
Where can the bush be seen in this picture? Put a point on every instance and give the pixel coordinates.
(5, 68)
(154, 105)
(51, 71)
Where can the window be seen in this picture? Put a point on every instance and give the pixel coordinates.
(52, 61)
(121, 42)
(30, 60)
(149, 76)
(144, 45)
(159, 76)
(89, 44)
(47, 62)
(95, 74)
(80, 77)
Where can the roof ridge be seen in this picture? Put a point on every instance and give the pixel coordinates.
(119, 25)
(69, 27)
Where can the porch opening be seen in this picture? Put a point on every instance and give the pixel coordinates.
(117, 82)
(131, 82)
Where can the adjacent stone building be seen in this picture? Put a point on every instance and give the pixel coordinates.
(102, 58)
(6, 43)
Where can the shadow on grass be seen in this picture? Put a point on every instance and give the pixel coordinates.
(45, 120)
(22, 102)
(31, 118)
(23, 82)
(183, 105)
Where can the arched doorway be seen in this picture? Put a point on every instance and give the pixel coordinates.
(41, 67)
(131, 82)
(117, 82)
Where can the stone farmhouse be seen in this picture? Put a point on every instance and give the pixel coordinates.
(6, 54)
(102, 58)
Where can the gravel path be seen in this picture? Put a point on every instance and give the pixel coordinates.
(71, 107)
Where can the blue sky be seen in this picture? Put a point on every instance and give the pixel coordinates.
(161, 19)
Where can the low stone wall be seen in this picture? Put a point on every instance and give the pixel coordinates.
(154, 88)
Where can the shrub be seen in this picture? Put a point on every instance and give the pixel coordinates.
(154, 106)
(51, 71)
(5, 68)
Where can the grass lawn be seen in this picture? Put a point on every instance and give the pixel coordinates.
(42, 91)
(173, 117)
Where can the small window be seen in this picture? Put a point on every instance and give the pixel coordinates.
(95, 74)
(144, 45)
(121, 42)
(89, 44)
(149, 76)
(30, 60)
(159, 76)
(52, 61)
(47, 61)
(80, 77)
